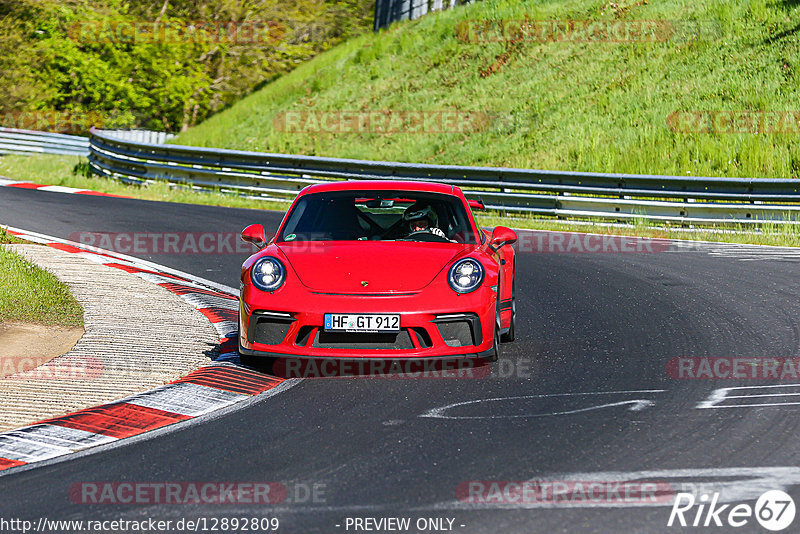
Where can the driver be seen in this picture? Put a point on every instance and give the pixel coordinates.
(422, 219)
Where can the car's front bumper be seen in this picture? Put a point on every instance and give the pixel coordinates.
(435, 322)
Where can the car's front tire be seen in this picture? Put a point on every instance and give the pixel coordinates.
(510, 335)
(494, 354)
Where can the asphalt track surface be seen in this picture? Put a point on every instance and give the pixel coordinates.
(588, 324)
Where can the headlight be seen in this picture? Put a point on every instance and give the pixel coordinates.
(465, 275)
(268, 273)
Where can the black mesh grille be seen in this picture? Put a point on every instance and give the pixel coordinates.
(456, 333)
(346, 340)
(268, 330)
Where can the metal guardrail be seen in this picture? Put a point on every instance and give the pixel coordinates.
(26, 142)
(680, 199)
(389, 11)
(13, 141)
(141, 136)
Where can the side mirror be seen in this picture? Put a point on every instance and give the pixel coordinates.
(476, 204)
(502, 236)
(255, 234)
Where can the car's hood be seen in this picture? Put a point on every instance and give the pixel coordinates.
(370, 266)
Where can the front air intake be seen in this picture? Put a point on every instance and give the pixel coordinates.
(269, 328)
(459, 329)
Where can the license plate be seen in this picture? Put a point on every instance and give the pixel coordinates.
(362, 322)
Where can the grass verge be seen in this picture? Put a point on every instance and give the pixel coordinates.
(6, 238)
(31, 295)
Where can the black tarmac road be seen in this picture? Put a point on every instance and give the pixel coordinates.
(583, 394)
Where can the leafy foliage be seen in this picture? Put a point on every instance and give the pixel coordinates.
(82, 59)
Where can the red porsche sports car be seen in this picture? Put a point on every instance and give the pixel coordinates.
(378, 269)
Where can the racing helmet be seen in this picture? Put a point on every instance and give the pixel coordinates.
(417, 212)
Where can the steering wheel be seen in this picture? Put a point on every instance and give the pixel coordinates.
(425, 236)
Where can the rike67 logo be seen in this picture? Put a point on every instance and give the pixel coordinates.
(774, 510)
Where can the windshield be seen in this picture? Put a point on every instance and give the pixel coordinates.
(378, 216)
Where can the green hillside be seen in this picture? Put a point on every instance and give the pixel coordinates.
(562, 102)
